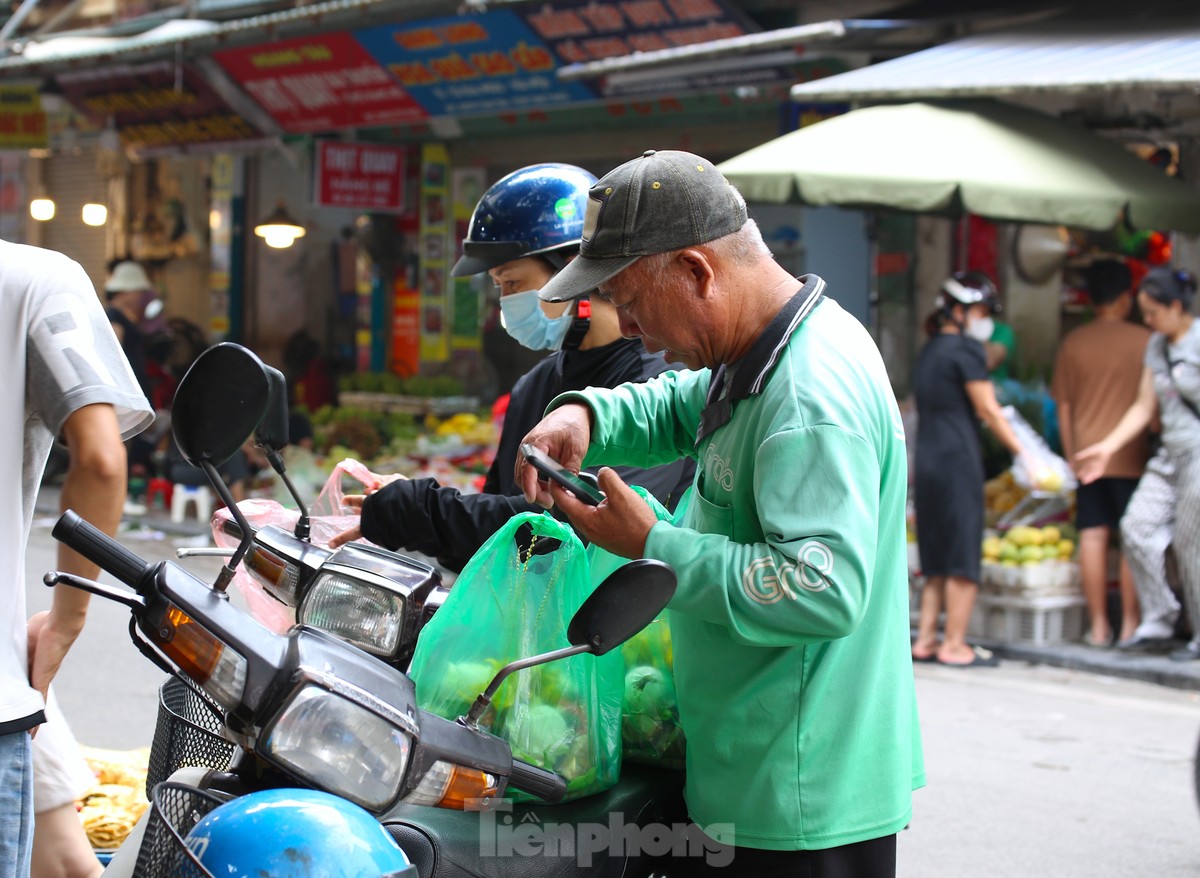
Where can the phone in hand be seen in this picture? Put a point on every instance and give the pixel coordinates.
(550, 469)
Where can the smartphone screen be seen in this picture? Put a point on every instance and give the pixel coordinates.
(551, 469)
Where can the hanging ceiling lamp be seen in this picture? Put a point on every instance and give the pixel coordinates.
(279, 230)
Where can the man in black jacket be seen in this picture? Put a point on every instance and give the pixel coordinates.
(525, 228)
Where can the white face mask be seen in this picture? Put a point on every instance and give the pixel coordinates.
(523, 318)
(981, 328)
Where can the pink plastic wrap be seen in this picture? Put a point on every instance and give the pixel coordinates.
(328, 518)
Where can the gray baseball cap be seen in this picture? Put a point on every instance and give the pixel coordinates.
(656, 203)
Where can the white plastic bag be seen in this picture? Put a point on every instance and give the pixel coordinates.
(328, 518)
(1038, 470)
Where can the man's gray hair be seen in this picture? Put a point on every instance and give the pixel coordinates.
(746, 245)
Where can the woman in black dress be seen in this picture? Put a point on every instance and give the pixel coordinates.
(953, 395)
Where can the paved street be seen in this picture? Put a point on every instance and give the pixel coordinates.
(1033, 770)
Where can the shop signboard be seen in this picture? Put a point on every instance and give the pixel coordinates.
(22, 122)
(474, 64)
(579, 31)
(320, 83)
(434, 262)
(588, 30)
(155, 105)
(361, 176)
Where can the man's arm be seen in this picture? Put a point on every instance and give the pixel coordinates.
(421, 515)
(95, 488)
(996, 354)
(1066, 430)
(807, 580)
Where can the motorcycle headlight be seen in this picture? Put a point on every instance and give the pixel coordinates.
(340, 746)
(370, 617)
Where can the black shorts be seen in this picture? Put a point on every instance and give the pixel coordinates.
(875, 858)
(1103, 502)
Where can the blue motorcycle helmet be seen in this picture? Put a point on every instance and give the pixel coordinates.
(535, 211)
(295, 833)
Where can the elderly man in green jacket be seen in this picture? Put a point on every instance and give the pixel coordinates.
(790, 623)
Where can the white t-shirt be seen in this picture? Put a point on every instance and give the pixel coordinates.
(58, 353)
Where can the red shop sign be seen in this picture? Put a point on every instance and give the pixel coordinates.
(361, 176)
(320, 82)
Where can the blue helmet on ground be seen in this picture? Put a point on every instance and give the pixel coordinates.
(535, 211)
(294, 833)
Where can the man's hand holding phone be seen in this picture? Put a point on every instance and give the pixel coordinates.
(551, 470)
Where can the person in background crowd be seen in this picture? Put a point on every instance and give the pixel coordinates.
(307, 372)
(525, 229)
(1165, 508)
(790, 619)
(953, 394)
(1096, 377)
(66, 376)
(1000, 350)
(126, 292)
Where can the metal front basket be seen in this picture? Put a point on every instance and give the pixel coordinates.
(188, 733)
(175, 809)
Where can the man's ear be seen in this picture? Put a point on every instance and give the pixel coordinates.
(699, 268)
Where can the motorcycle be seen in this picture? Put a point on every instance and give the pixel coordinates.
(311, 709)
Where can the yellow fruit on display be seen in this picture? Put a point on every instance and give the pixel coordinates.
(991, 548)
(1066, 549)
(1031, 554)
(1025, 536)
(1050, 535)
(1005, 500)
(1047, 479)
(1008, 551)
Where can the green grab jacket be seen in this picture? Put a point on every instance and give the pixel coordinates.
(790, 624)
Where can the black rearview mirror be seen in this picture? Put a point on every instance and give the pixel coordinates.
(220, 401)
(272, 432)
(621, 606)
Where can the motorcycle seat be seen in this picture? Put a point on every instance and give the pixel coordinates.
(620, 831)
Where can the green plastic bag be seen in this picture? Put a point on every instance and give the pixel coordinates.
(650, 730)
(514, 599)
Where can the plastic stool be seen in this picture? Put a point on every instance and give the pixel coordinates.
(159, 489)
(198, 495)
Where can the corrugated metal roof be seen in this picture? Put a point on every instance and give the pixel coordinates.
(68, 53)
(1082, 59)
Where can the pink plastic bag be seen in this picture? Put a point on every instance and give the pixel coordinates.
(328, 518)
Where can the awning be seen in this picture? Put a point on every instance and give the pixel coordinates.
(996, 160)
(1163, 58)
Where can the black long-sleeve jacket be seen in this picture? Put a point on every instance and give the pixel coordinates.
(421, 515)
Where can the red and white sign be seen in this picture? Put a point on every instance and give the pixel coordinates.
(361, 176)
(319, 83)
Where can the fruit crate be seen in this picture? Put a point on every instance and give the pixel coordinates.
(1056, 577)
(1037, 620)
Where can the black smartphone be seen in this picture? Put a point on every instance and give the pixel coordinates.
(551, 469)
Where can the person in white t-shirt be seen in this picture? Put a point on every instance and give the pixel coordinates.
(64, 375)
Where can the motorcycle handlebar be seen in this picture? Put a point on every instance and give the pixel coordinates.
(546, 785)
(98, 547)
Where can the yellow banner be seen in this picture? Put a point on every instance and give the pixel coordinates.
(22, 120)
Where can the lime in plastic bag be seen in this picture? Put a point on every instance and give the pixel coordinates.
(650, 730)
(513, 600)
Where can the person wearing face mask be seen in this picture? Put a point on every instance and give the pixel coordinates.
(953, 394)
(525, 229)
